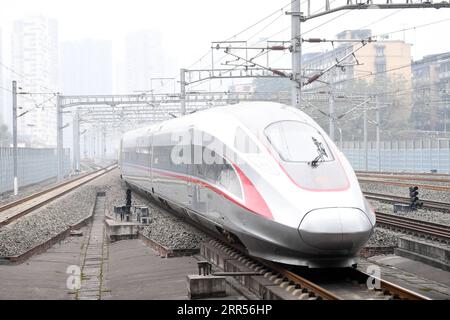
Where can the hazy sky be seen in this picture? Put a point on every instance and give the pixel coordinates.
(188, 27)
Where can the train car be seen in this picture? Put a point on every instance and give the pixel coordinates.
(262, 173)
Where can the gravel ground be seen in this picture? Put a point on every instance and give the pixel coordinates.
(413, 181)
(50, 220)
(425, 194)
(164, 227)
(420, 214)
(383, 238)
(46, 222)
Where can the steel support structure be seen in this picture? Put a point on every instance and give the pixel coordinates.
(370, 5)
(331, 117)
(76, 141)
(59, 138)
(14, 114)
(183, 91)
(296, 54)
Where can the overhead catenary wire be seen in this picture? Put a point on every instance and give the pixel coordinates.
(35, 107)
(23, 77)
(238, 34)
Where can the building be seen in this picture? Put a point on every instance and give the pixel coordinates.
(4, 115)
(431, 99)
(86, 67)
(368, 64)
(35, 58)
(143, 60)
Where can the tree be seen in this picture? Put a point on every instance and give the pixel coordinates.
(272, 84)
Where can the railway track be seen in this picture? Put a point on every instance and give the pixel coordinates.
(434, 231)
(405, 177)
(303, 283)
(412, 174)
(21, 207)
(404, 184)
(427, 204)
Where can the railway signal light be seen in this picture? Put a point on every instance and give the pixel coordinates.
(414, 198)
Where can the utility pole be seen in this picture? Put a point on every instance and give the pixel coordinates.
(296, 53)
(366, 155)
(377, 114)
(331, 116)
(103, 142)
(14, 100)
(59, 139)
(76, 141)
(183, 91)
(85, 155)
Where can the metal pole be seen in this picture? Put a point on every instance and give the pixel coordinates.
(378, 133)
(76, 141)
(84, 145)
(183, 91)
(296, 54)
(103, 142)
(340, 139)
(59, 139)
(14, 99)
(366, 159)
(331, 116)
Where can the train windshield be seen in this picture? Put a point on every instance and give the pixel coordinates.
(298, 142)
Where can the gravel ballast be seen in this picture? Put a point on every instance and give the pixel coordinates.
(383, 238)
(426, 194)
(45, 223)
(164, 228)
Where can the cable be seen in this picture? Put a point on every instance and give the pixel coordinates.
(365, 26)
(36, 106)
(239, 33)
(414, 27)
(244, 30)
(326, 22)
(23, 77)
(266, 26)
(6, 89)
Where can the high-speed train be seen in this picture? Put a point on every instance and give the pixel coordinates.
(262, 173)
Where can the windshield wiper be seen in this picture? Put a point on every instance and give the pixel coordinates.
(321, 153)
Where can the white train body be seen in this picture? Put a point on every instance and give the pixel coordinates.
(266, 192)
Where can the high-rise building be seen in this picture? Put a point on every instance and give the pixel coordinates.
(431, 98)
(143, 60)
(35, 62)
(3, 111)
(386, 59)
(86, 67)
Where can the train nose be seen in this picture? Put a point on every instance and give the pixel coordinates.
(335, 228)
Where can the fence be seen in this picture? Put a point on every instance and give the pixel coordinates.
(410, 156)
(33, 166)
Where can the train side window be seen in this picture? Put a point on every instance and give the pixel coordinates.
(243, 142)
